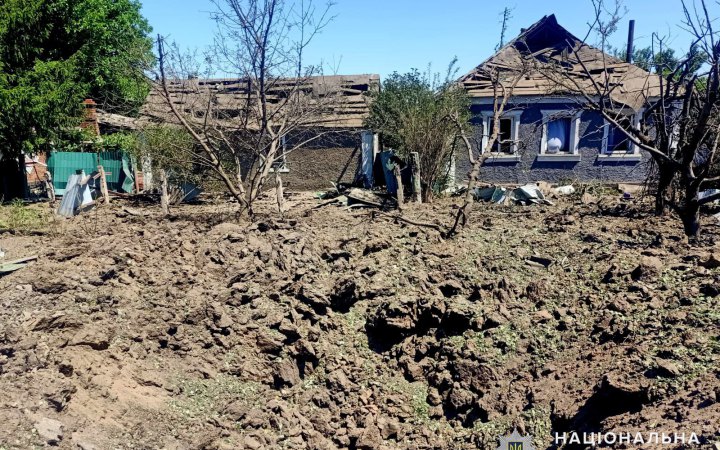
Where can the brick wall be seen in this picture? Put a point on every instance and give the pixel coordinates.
(38, 168)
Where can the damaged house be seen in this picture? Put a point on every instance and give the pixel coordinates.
(330, 147)
(547, 132)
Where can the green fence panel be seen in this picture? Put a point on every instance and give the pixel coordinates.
(129, 182)
(63, 164)
(112, 164)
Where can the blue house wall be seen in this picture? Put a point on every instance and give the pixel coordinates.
(590, 168)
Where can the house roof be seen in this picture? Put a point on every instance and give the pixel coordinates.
(555, 67)
(116, 120)
(340, 101)
(336, 101)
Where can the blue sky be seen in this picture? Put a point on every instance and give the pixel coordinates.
(382, 36)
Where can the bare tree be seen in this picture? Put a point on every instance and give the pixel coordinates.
(505, 17)
(503, 80)
(246, 125)
(673, 114)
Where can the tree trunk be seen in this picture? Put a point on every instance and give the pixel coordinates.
(666, 175)
(427, 193)
(164, 198)
(461, 216)
(415, 165)
(49, 188)
(690, 213)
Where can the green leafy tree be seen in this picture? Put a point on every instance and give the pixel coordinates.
(168, 153)
(54, 54)
(661, 60)
(418, 112)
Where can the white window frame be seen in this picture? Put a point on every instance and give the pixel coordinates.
(514, 116)
(633, 151)
(283, 149)
(574, 145)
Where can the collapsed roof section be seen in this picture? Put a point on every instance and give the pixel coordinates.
(551, 61)
(337, 101)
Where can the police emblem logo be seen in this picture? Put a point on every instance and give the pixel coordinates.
(516, 442)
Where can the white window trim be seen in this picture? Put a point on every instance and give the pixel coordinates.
(283, 149)
(574, 153)
(633, 152)
(514, 116)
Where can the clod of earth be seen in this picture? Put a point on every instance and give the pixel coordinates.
(334, 330)
(50, 430)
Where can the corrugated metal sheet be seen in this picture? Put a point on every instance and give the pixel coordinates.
(63, 164)
(112, 163)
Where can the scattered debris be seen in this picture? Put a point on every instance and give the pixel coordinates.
(12, 266)
(132, 211)
(545, 262)
(494, 194)
(528, 194)
(564, 190)
(365, 197)
(77, 194)
(708, 193)
(630, 188)
(588, 199)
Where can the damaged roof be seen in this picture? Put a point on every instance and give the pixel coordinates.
(551, 60)
(337, 101)
(117, 121)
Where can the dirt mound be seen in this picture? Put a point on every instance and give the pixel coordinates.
(337, 329)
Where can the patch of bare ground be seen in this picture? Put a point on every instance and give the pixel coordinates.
(341, 329)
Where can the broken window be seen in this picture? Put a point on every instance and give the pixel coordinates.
(505, 145)
(559, 140)
(617, 140)
(504, 141)
(558, 136)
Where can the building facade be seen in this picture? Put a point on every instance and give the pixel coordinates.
(547, 131)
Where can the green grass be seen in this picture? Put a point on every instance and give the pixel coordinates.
(538, 424)
(417, 392)
(202, 399)
(21, 218)
(487, 434)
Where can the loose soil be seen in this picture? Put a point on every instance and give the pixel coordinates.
(334, 328)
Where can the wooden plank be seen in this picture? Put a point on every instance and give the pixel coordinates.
(103, 185)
